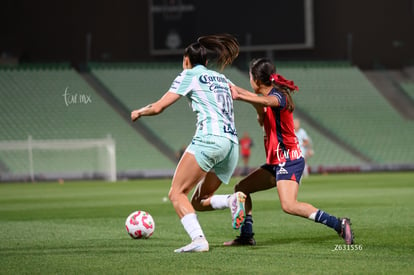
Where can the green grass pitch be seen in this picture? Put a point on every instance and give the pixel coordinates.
(78, 228)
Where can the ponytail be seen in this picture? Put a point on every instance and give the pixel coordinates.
(287, 87)
(221, 49)
(281, 81)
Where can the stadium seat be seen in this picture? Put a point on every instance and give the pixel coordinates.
(33, 103)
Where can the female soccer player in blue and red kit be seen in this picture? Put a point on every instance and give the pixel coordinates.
(284, 161)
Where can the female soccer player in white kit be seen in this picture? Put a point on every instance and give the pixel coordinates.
(212, 156)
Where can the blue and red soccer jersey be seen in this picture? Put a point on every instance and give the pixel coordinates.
(280, 141)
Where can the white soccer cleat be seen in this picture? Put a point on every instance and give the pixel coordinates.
(238, 213)
(199, 244)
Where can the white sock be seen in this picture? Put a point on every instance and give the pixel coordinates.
(192, 226)
(312, 216)
(219, 201)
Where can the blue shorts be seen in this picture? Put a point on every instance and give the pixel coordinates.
(218, 153)
(290, 170)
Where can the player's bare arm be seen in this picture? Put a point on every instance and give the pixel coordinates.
(157, 107)
(239, 93)
(269, 101)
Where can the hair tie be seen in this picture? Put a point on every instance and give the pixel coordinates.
(280, 80)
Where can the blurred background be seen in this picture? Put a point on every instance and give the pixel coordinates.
(71, 72)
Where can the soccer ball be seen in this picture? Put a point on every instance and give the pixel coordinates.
(140, 225)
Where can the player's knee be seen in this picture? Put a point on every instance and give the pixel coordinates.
(288, 207)
(172, 195)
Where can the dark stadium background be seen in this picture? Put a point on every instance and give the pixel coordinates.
(382, 31)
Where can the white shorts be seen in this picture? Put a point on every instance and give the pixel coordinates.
(218, 153)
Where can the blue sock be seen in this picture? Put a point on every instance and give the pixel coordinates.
(328, 220)
(247, 228)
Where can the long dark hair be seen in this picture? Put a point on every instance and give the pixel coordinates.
(221, 49)
(261, 70)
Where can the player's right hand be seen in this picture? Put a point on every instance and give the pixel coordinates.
(135, 115)
(234, 92)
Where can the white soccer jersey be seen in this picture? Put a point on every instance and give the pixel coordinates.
(209, 95)
(301, 136)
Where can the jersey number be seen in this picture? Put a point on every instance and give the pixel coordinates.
(226, 104)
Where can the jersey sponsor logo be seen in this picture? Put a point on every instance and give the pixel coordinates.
(206, 79)
(218, 88)
(215, 83)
